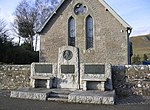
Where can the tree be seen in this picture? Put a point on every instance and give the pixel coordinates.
(14, 54)
(30, 16)
(3, 30)
(24, 21)
(136, 59)
(5, 42)
(44, 8)
(4, 33)
(145, 57)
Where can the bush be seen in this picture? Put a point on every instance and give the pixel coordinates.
(23, 56)
(10, 54)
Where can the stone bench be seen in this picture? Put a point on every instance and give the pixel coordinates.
(101, 85)
(42, 74)
(96, 76)
(49, 81)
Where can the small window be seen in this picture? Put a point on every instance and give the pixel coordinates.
(71, 32)
(89, 32)
(80, 9)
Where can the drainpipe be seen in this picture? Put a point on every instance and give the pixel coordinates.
(129, 30)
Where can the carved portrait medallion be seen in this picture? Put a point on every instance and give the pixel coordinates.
(67, 54)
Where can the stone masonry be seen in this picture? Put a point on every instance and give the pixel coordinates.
(132, 80)
(110, 40)
(14, 76)
(128, 80)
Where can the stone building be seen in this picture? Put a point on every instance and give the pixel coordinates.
(92, 26)
(79, 43)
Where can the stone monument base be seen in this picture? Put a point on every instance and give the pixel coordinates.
(92, 96)
(31, 93)
(68, 95)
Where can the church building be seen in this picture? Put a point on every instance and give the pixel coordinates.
(80, 42)
(92, 26)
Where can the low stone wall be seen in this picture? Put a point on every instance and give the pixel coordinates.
(14, 76)
(127, 79)
(131, 80)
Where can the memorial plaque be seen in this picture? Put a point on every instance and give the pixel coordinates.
(94, 69)
(67, 69)
(43, 68)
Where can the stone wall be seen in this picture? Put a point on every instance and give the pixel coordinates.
(132, 80)
(128, 80)
(109, 36)
(14, 76)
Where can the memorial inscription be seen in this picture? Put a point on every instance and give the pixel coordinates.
(41, 68)
(67, 69)
(94, 69)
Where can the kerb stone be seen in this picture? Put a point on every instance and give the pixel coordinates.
(35, 94)
(95, 97)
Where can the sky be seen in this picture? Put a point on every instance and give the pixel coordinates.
(135, 12)
(7, 8)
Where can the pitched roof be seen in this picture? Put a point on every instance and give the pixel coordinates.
(101, 1)
(48, 18)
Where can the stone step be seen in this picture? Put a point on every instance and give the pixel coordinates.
(61, 91)
(58, 95)
(57, 99)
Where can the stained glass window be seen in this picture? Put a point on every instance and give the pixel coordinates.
(80, 9)
(71, 32)
(89, 32)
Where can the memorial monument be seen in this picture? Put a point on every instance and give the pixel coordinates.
(80, 41)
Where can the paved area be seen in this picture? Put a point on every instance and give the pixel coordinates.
(133, 100)
(7, 103)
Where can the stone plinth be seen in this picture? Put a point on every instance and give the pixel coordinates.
(95, 97)
(36, 94)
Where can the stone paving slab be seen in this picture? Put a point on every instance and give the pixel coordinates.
(39, 93)
(132, 100)
(92, 96)
(7, 103)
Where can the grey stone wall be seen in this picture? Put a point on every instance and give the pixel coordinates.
(14, 76)
(132, 80)
(127, 80)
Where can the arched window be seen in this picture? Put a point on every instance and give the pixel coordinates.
(89, 32)
(71, 32)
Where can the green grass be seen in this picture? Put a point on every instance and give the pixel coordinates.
(141, 45)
